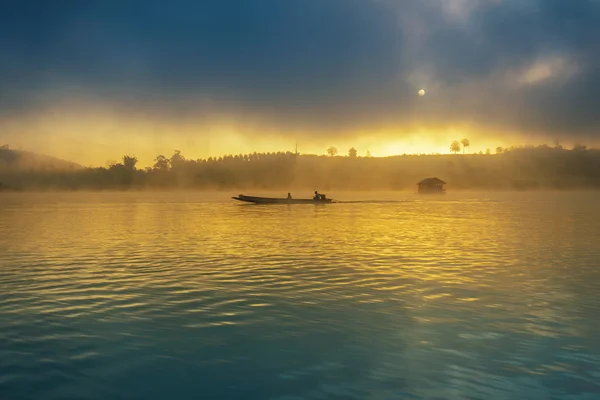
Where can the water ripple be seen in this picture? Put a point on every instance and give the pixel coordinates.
(155, 296)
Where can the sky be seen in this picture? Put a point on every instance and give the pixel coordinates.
(90, 81)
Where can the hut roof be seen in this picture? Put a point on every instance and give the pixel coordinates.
(431, 181)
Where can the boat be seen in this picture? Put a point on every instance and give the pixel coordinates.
(274, 200)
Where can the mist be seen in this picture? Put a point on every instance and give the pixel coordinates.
(517, 168)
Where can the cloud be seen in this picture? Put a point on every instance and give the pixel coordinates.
(544, 70)
(323, 68)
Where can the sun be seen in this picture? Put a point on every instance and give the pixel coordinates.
(421, 92)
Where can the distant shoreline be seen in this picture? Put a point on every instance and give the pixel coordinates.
(516, 169)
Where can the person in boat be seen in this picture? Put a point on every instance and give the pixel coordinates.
(319, 196)
(289, 196)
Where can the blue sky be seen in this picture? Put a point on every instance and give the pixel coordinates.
(314, 70)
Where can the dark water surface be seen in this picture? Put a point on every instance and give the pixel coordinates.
(191, 296)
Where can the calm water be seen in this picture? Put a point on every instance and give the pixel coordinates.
(156, 296)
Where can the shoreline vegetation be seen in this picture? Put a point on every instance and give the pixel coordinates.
(516, 168)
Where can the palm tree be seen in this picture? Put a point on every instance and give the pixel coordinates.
(465, 143)
(129, 162)
(455, 146)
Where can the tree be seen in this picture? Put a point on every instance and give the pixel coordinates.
(368, 153)
(352, 152)
(162, 163)
(177, 159)
(332, 151)
(7, 155)
(499, 150)
(129, 162)
(557, 145)
(455, 146)
(465, 143)
(488, 151)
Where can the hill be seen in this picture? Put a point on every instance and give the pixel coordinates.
(19, 159)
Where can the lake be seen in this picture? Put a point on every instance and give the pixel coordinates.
(194, 296)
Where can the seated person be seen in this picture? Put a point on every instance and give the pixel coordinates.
(289, 196)
(319, 196)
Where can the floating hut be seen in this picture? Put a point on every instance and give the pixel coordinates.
(431, 185)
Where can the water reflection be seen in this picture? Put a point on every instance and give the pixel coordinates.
(155, 295)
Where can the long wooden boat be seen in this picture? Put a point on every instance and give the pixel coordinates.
(274, 200)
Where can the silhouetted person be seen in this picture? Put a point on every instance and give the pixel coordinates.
(289, 196)
(317, 196)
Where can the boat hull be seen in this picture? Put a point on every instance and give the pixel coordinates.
(273, 200)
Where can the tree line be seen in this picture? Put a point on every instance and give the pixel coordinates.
(526, 167)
